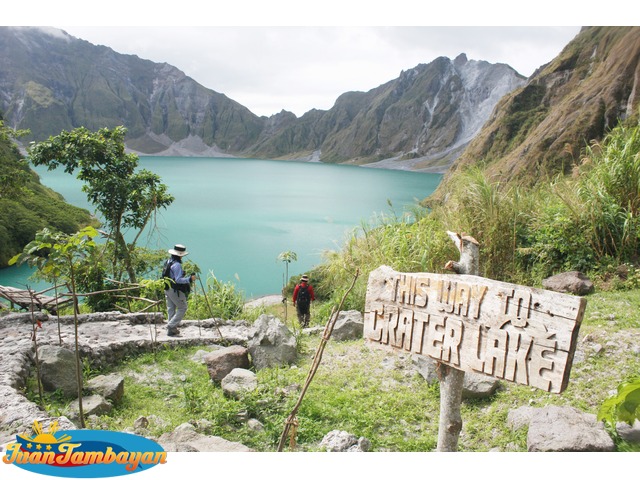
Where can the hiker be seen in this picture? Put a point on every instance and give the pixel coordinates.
(177, 292)
(302, 297)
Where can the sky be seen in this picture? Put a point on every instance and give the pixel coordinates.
(298, 55)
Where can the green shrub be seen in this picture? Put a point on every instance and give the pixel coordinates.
(221, 300)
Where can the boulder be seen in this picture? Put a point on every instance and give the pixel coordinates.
(349, 326)
(239, 381)
(629, 433)
(477, 385)
(272, 344)
(341, 441)
(110, 386)
(185, 439)
(91, 405)
(573, 282)
(566, 429)
(221, 362)
(58, 370)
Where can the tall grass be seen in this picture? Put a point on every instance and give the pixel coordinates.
(411, 243)
(609, 186)
(585, 222)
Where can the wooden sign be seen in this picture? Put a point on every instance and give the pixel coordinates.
(512, 332)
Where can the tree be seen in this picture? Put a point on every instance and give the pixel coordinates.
(124, 197)
(54, 253)
(286, 257)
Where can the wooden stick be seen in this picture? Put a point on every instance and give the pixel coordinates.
(328, 329)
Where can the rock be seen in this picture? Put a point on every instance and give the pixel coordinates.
(566, 429)
(520, 417)
(141, 423)
(629, 433)
(569, 282)
(425, 367)
(239, 381)
(272, 344)
(110, 387)
(58, 370)
(185, 439)
(255, 425)
(91, 405)
(341, 441)
(221, 362)
(349, 326)
(475, 385)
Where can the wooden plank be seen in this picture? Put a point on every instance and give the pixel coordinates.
(24, 299)
(512, 332)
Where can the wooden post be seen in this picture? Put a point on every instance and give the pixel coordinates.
(452, 379)
(467, 323)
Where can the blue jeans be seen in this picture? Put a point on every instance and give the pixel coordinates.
(176, 307)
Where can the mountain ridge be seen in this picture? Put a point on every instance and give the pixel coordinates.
(53, 81)
(539, 130)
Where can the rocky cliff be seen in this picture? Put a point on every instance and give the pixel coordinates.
(52, 81)
(540, 129)
(422, 120)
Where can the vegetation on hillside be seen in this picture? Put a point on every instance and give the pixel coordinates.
(578, 97)
(26, 206)
(588, 221)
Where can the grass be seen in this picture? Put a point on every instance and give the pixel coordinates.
(368, 393)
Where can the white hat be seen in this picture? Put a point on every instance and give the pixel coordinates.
(178, 250)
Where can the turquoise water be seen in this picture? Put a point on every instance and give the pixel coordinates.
(237, 215)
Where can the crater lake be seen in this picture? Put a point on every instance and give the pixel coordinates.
(235, 216)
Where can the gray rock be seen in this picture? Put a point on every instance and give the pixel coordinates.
(110, 386)
(520, 417)
(255, 425)
(185, 439)
(239, 381)
(58, 370)
(476, 385)
(221, 362)
(425, 367)
(341, 441)
(629, 433)
(91, 405)
(566, 429)
(349, 326)
(198, 357)
(569, 282)
(272, 344)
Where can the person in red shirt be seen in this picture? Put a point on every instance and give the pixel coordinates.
(302, 297)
